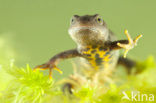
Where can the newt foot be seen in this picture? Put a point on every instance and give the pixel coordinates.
(48, 66)
(131, 43)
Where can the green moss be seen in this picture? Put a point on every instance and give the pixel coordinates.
(22, 85)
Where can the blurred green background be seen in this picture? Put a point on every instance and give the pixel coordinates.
(32, 31)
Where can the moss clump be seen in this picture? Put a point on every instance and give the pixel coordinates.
(22, 85)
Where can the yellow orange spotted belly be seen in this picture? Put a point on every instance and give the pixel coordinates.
(98, 56)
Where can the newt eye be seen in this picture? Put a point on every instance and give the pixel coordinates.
(72, 21)
(99, 20)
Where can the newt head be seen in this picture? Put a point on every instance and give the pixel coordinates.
(88, 30)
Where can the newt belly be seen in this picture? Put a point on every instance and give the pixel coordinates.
(100, 57)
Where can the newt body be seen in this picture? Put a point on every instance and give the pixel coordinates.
(96, 44)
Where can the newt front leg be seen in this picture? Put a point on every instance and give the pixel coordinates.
(51, 64)
(125, 44)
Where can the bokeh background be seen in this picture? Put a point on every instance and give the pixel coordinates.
(32, 31)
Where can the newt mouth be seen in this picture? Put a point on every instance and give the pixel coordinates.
(77, 30)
